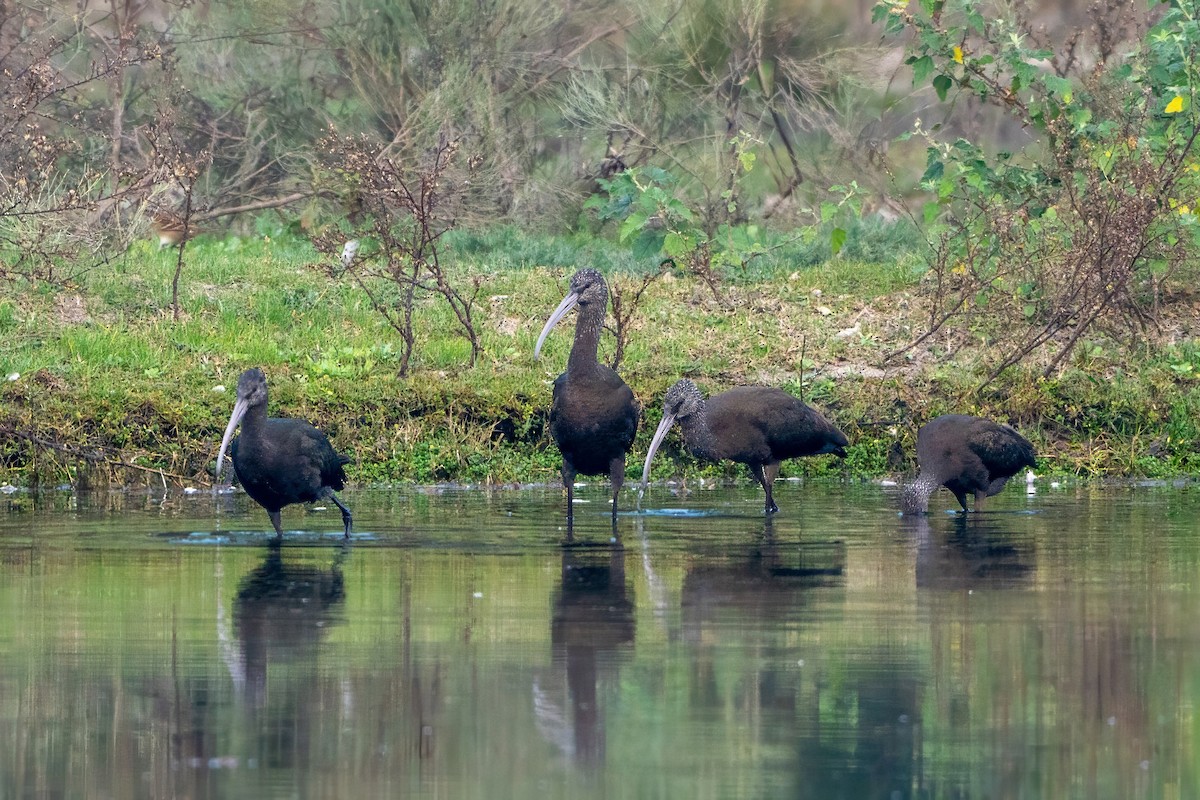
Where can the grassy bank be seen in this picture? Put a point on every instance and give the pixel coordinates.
(112, 389)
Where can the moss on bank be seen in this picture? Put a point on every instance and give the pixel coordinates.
(107, 378)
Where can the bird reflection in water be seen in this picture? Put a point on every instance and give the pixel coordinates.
(968, 554)
(592, 630)
(281, 614)
(764, 582)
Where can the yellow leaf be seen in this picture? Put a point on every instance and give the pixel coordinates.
(958, 54)
(1175, 106)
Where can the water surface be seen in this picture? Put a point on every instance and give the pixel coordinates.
(159, 646)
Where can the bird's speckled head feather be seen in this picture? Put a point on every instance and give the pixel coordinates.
(589, 285)
(683, 399)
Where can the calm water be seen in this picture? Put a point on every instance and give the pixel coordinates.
(157, 647)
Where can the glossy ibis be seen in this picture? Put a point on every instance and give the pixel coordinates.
(758, 426)
(280, 461)
(594, 415)
(967, 455)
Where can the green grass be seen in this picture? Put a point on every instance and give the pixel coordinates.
(126, 379)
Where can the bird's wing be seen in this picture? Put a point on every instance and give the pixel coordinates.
(1001, 449)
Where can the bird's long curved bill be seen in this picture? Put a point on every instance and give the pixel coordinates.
(661, 433)
(239, 411)
(566, 305)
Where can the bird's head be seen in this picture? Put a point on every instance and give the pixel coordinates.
(587, 288)
(682, 400)
(252, 387)
(251, 393)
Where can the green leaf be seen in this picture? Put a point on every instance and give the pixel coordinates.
(632, 224)
(1060, 86)
(921, 69)
(941, 85)
(931, 211)
(675, 245)
(837, 238)
(648, 245)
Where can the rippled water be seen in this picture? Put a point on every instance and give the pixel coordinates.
(159, 646)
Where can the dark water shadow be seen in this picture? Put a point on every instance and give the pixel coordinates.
(281, 613)
(592, 632)
(762, 580)
(969, 552)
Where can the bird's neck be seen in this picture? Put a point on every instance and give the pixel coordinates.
(915, 499)
(698, 435)
(255, 420)
(587, 340)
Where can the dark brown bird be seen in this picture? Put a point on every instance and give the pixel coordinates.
(280, 461)
(594, 415)
(758, 426)
(967, 455)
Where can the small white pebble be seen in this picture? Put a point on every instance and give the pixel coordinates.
(816, 292)
(824, 311)
(12, 376)
(886, 482)
(1055, 484)
(1112, 721)
(904, 718)
(1145, 765)
(190, 490)
(477, 595)
(219, 388)
(800, 663)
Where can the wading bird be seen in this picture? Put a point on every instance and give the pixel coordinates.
(280, 461)
(758, 426)
(594, 415)
(967, 455)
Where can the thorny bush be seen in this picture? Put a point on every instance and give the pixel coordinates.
(389, 244)
(1085, 230)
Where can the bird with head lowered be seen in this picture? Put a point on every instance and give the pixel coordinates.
(758, 426)
(967, 455)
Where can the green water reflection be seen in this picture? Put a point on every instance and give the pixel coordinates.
(160, 647)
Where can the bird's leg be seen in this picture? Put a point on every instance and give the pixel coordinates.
(568, 479)
(979, 497)
(347, 518)
(962, 501)
(274, 515)
(616, 474)
(759, 475)
(771, 472)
